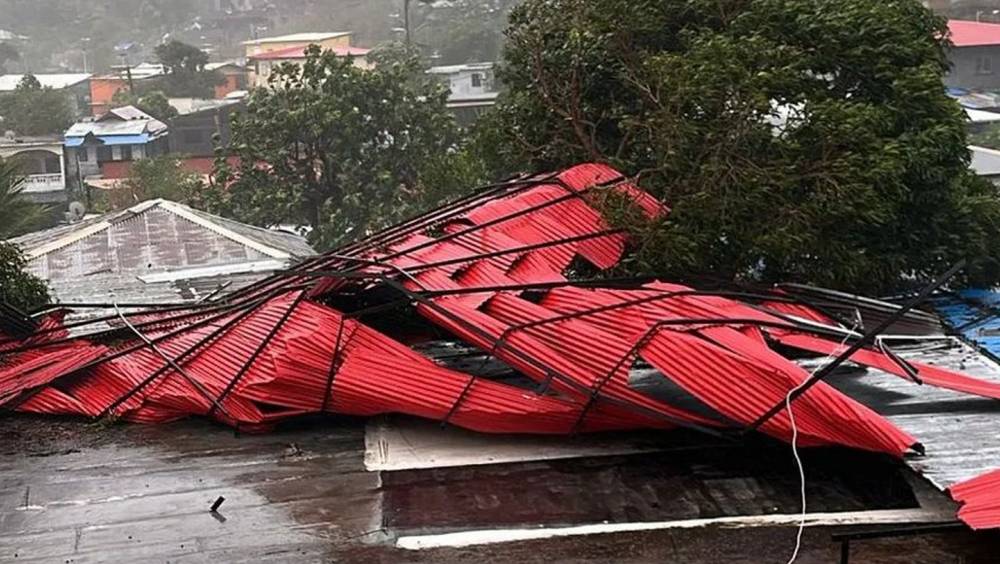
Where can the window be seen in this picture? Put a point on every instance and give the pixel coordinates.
(477, 80)
(126, 152)
(984, 64)
(83, 154)
(104, 154)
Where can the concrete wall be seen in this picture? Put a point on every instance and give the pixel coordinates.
(975, 68)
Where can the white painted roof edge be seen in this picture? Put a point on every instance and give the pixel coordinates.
(84, 232)
(193, 273)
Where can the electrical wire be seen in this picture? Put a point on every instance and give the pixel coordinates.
(795, 448)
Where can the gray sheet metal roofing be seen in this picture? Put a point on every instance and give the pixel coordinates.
(187, 253)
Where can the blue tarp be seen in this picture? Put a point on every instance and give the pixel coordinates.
(975, 313)
(141, 139)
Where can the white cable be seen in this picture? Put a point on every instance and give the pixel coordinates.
(795, 448)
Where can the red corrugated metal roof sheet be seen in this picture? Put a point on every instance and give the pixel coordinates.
(973, 34)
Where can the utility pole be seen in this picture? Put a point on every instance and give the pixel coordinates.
(406, 19)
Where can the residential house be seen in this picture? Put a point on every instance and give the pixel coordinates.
(76, 86)
(201, 126)
(155, 251)
(265, 54)
(975, 55)
(41, 161)
(103, 88)
(235, 76)
(121, 134)
(473, 89)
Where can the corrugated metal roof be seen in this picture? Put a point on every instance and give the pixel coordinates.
(102, 259)
(305, 36)
(9, 82)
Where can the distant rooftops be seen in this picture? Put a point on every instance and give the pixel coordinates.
(298, 37)
(124, 125)
(299, 52)
(973, 34)
(9, 82)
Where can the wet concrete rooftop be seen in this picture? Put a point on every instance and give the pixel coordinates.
(76, 491)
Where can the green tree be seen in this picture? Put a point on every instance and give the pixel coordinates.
(18, 216)
(17, 287)
(336, 147)
(157, 177)
(33, 110)
(154, 103)
(186, 75)
(794, 139)
(179, 57)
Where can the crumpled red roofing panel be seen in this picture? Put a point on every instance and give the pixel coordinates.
(488, 272)
(980, 500)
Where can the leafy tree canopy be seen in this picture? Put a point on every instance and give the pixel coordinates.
(18, 288)
(33, 110)
(186, 75)
(18, 216)
(157, 177)
(179, 57)
(794, 139)
(336, 147)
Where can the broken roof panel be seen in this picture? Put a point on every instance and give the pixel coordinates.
(341, 332)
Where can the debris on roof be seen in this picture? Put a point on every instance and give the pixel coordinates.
(465, 315)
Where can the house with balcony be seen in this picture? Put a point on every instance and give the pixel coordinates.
(119, 135)
(41, 160)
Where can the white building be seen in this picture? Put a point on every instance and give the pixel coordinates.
(473, 88)
(41, 161)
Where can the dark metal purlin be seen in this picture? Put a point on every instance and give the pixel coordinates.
(260, 349)
(548, 370)
(858, 345)
(177, 368)
(571, 194)
(192, 350)
(334, 365)
(485, 224)
(97, 320)
(414, 224)
(459, 260)
(103, 305)
(107, 332)
(28, 394)
(911, 371)
(905, 531)
(522, 249)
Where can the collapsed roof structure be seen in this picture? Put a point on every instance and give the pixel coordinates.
(467, 315)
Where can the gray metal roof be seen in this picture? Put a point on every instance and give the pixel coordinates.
(156, 251)
(958, 431)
